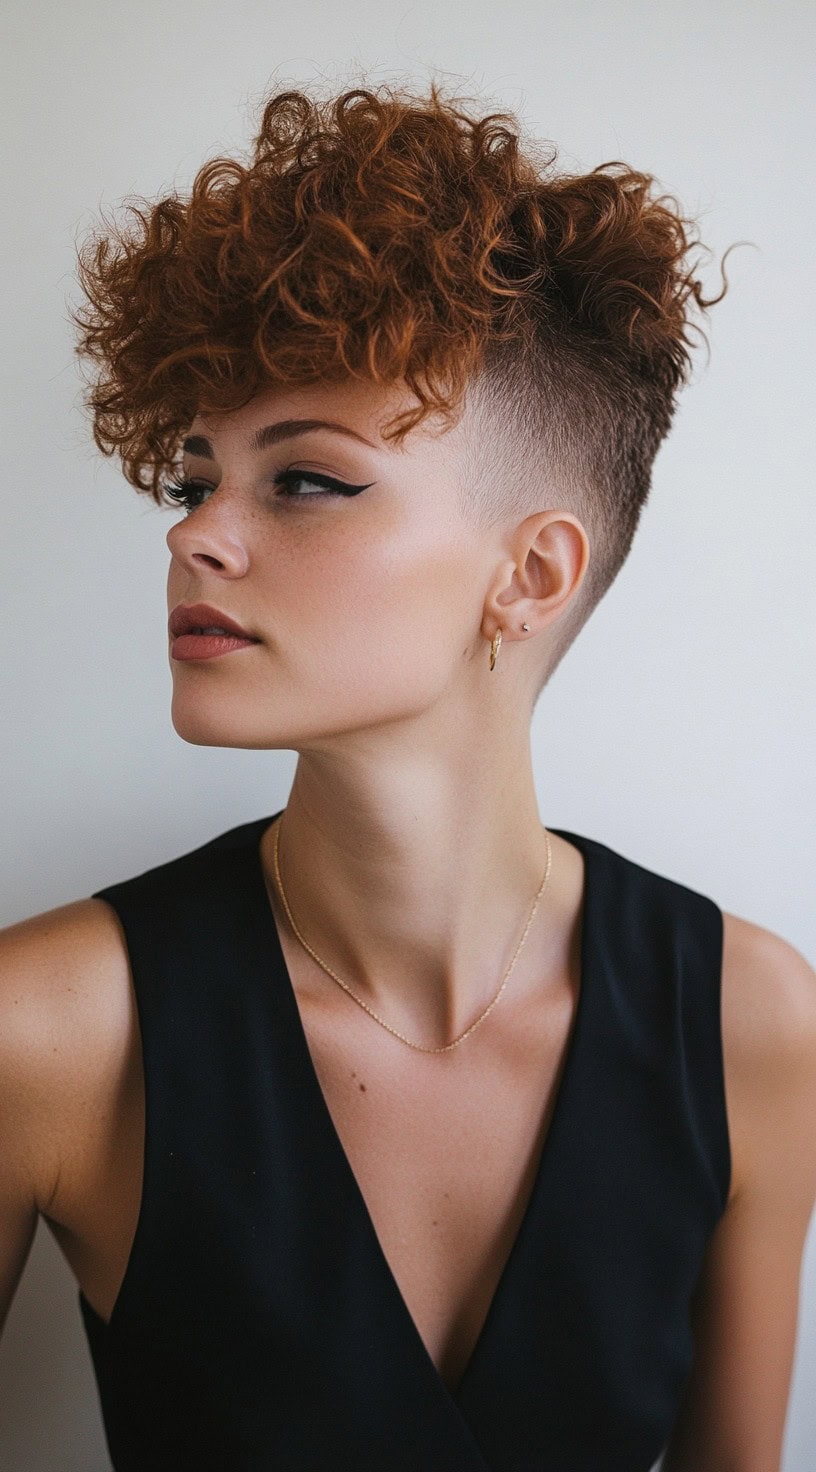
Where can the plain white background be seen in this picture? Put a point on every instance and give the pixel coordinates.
(680, 727)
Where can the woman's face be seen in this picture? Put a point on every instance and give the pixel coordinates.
(367, 608)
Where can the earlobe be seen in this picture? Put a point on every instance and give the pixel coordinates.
(495, 645)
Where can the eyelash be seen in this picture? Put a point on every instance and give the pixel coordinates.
(183, 488)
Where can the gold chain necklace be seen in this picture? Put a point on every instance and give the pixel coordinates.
(364, 1005)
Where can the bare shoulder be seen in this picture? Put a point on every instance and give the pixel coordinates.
(65, 1018)
(769, 1051)
(745, 1307)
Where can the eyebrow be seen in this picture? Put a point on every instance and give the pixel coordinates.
(271, 434)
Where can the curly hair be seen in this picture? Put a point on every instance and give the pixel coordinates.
(388, 237)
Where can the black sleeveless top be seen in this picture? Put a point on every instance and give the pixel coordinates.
(259, 1327)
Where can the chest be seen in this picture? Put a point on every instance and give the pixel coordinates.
(445, 1158)
(329, 1193)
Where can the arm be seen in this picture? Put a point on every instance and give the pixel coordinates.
(745, 1308)
(34, 970)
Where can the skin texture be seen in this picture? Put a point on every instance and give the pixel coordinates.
(376, 615)
(745, 1312)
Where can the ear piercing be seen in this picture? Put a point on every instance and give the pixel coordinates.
(495, 645)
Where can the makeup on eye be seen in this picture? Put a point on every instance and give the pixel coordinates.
(185, 489)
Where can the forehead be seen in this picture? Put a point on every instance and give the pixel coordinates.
(363, 409)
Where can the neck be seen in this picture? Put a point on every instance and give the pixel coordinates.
(415, 888)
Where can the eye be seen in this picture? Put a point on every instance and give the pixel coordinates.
(188, 491)
(331, 487)
(185, 490)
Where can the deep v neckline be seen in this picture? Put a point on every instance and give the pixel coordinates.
(565, 1087)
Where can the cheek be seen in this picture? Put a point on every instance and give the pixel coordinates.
(381, 609)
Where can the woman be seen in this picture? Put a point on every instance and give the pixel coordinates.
(394, 1129)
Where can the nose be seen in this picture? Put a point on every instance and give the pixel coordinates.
(205, 539)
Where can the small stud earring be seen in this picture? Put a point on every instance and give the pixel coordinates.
(526, 628)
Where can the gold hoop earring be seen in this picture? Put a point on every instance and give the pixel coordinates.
(495, 647)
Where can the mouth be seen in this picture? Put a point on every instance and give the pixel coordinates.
(203, 620)
(215, 629)
(206, 642)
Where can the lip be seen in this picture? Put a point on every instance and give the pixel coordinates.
(207, 646)
(188, 616)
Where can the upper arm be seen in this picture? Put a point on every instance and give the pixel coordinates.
(21, 1135)
(745, 1309)
(18, 1204)
(46, 969)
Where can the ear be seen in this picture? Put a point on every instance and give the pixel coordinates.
(548, 557)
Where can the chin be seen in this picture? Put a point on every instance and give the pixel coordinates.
(218, 726)
(194, 723)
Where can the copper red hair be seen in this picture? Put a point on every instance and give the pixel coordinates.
(398, 238)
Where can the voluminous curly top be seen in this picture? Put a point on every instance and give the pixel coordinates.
(384, 236)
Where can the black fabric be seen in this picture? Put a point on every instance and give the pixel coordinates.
(258, 1325)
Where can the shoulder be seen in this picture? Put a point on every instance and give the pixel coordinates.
(769, 1056)
(744, 1310)
(65, 1017)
